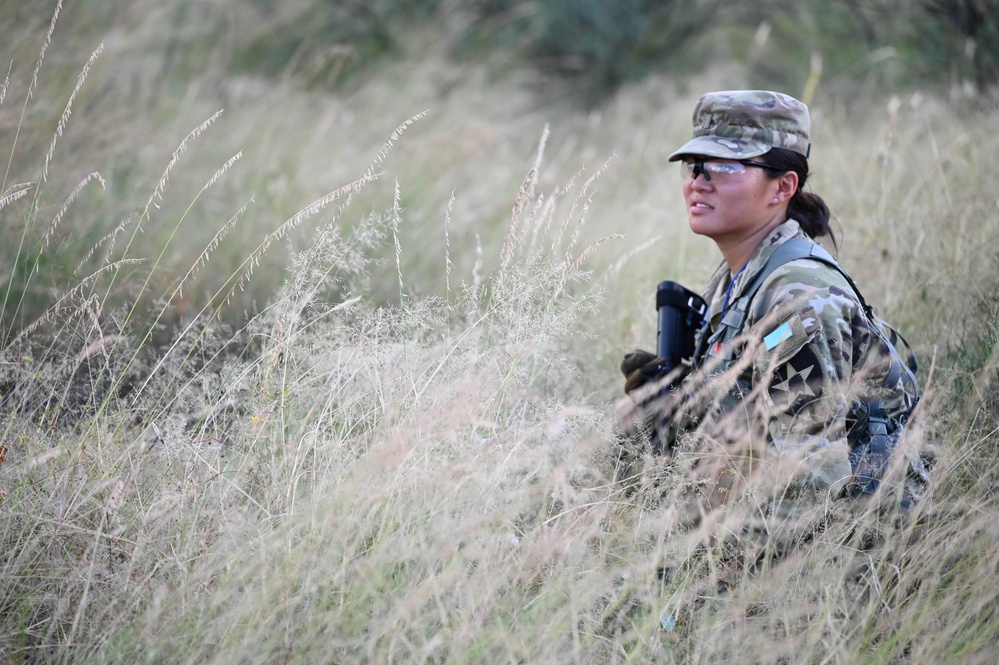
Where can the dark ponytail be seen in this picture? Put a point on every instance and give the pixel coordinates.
(808, 209)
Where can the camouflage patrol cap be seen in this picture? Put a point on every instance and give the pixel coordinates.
(739, 124)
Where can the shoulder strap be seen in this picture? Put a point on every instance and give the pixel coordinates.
(790, 250)
(793, 250)
(731, 324)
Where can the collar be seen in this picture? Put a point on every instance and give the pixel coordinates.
(718, 284)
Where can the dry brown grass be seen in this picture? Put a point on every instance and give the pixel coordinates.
(406, 453)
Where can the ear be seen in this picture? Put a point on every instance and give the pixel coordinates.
(787, 185)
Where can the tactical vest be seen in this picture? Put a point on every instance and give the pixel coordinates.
(871, 434)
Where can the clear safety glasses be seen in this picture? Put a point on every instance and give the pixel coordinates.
(691, 168)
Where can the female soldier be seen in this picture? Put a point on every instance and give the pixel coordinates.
(789, 353)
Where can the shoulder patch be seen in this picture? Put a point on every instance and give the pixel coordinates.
(779, 334)
(797, 381)
(788, 336)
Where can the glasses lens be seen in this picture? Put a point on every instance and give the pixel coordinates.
(692, 169)
(724, 169)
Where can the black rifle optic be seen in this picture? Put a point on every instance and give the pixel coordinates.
(681, 314)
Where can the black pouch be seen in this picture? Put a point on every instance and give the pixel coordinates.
(872, 437)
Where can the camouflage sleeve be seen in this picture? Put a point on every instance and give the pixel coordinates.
(807, 325)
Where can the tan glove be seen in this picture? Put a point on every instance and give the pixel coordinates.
(639, 367)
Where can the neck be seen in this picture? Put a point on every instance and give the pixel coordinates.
(737, 251)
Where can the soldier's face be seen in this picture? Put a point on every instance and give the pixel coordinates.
(731, 207)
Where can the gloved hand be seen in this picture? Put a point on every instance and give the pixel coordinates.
(642, 410)
(639, 367)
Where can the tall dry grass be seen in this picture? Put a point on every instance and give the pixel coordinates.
(406, 453)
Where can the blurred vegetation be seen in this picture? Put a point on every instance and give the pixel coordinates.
(957, 39)
(403, 451)
(168, 66)
(596, 46)
(323, 43)
(592, 47)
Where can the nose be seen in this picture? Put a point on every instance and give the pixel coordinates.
(698, 182)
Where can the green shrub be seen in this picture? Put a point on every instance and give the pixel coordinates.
(597, 45)
(954, 41)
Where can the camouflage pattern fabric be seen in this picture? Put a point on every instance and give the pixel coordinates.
(740, 124)
(806, 353)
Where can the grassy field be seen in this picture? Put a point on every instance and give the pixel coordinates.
(299, 376)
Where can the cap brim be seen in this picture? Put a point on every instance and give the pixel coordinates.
(723, 148)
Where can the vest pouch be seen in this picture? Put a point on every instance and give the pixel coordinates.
(870, 453)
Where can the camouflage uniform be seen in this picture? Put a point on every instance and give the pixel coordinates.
(806, 354)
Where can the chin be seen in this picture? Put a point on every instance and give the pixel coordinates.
(699, 227)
